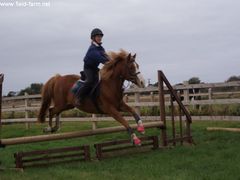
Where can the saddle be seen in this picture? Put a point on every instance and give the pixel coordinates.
(93, 94)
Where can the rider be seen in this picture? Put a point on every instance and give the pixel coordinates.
(94, 56)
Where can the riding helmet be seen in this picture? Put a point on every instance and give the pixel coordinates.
(96, 32)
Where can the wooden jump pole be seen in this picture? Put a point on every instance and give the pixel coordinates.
(68, 135)
(223, 129)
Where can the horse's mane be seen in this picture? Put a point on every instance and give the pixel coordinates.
(115, 57)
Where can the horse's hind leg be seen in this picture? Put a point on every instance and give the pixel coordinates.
(57, 118)
(49, 128)
(55, 111)
(52, 112)
(57, 123)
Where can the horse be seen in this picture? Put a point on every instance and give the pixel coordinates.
(121, 66)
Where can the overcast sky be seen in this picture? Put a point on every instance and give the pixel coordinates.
(184, 38)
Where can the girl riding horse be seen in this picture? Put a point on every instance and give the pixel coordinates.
(121, 67)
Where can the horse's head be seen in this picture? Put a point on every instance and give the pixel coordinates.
(123, 65)
(132, 72)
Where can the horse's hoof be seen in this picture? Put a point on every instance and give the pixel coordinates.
(47, 129)
(141, 129)
(55, 130)
(136, 141)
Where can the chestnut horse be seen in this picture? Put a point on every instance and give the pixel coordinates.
(121, 67)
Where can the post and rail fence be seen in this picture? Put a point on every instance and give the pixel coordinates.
(173, 132)
(138, 97)
(169, 133)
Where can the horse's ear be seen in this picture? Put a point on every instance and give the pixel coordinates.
(134, 56)
(129, 56)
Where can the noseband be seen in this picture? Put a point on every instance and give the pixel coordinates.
(132, 76)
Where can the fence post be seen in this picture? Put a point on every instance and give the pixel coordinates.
(210, 93)
(180, 119)
(125, 98)
(58, 121)
(151, 96)
(186, 93)
(94, 122)
(152, 101)
(137, 100)
(1, 82)
(162, 108)
(27, 124)
(173, 120)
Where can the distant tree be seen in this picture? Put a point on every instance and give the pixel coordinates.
(233, 78)
(35, 88)
(11, 94)
(155, 84)
(194, 80)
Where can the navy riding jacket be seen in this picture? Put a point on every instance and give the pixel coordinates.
(94, 56)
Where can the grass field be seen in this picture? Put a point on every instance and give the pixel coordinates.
(215, 156)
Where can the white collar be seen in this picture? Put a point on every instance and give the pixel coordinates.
(96, 44)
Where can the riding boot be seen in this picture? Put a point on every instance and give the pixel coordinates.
(78, 101)
(81, 95)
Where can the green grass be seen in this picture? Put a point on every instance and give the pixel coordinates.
(215, 156)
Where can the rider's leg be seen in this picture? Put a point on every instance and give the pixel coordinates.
(90, 78)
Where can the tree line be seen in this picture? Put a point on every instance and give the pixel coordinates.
(196, 80)
(34, 88)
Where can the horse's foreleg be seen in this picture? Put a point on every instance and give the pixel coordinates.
(124, 107)
(116, 115)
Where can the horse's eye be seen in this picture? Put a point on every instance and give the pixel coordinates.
(132, 68)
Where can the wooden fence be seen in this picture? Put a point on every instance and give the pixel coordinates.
(1, 82)
(209, 93)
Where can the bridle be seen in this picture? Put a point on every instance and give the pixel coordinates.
(132, 76)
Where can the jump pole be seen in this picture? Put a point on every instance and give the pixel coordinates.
(223, 129)
(69, 135)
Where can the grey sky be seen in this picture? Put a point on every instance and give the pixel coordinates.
(183, 38)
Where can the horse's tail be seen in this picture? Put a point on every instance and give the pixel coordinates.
(47, 95)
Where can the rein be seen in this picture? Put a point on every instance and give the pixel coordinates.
(132, 76)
